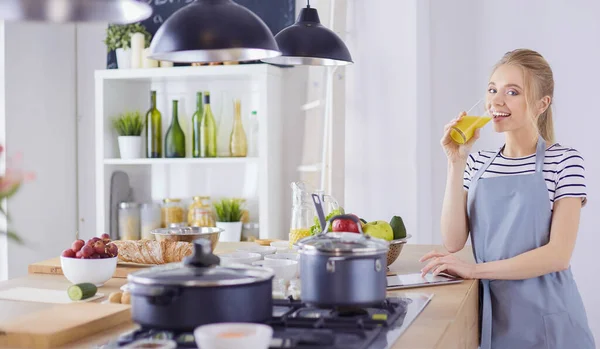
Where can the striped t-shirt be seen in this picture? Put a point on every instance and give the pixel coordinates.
(563, 170)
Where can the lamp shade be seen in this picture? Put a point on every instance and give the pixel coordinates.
(213, 31)
(62, 11)
(307, 42)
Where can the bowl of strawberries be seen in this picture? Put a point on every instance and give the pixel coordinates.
(94, 261)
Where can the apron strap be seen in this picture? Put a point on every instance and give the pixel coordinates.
(540, 155)
(486, 317)
(484, 167)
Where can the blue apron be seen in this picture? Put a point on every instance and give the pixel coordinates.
(510, 215)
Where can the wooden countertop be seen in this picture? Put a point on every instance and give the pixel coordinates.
(450, 320)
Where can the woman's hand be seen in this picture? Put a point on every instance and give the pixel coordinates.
(457, 152)
(447, 263)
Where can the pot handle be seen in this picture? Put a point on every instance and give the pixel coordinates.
(202, 256)
(344, 216)
(330, 265)
(160, 295)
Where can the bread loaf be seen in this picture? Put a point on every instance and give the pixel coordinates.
(152, 251)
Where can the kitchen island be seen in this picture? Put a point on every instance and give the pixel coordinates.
(450, 320)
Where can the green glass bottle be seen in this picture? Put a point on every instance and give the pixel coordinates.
(196, 122)
(153, 129)
(175, 139)
(208, 132)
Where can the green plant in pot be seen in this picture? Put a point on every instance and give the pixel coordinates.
(118, 39)
(229, 218)
(129, 127)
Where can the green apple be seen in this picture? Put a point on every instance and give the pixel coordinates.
(379, 229)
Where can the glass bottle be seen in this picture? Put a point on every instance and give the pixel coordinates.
(238, 145)
(196, 122)
(153, 129)
(302, 213)
(175, 138)
(253, 135)
(208, 131)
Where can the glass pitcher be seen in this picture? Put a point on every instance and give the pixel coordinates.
(303, 213)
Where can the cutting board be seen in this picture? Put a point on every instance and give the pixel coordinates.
(52, 266)
(61, 324)
(41, 295)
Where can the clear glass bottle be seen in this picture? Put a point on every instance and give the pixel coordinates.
(150, 219)
(253, 134)
(303, 213)
(238, 145)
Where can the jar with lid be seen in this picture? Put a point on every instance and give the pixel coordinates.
(150, 219)
(129, 221)
(171, 212)
(200, 213)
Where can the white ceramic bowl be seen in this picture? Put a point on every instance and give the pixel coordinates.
(233, 335)
(281, 245)
(239, 257)
(262, 250)
(283, 268)
(286, 256)
(95, 271)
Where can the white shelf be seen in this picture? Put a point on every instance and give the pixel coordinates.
(181, 161)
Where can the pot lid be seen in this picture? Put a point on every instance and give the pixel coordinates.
(201, 269)
(343, 243)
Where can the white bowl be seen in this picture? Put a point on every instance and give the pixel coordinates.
(295, 250)
(281, 245)
(283, 268)
(95, 271)
(241, 336)
(286, 256)
(239, 257)
(262, 250)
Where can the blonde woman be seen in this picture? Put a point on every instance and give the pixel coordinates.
(521, 205)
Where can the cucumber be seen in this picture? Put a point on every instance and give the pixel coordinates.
(82, 291)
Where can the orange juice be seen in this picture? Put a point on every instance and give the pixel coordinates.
(464, 129)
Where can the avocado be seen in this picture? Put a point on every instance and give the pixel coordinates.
(398, 227)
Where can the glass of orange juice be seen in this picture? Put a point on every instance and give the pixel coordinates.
(477, 117)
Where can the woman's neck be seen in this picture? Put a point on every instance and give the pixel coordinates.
(520, 143)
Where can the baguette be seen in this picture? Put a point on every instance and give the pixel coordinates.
(152, 251)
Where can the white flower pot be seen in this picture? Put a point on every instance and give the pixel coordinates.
(130, 147)
(123, 58)
(232, 231)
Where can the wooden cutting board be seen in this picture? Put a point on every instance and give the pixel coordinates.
(52, 266)
(58, 325)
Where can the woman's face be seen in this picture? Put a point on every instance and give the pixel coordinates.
(506, 99)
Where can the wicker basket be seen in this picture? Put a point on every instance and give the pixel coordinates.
(395, 249)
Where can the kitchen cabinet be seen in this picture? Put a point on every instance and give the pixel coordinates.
(257, 179)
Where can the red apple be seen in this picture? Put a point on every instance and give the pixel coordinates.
(345, 225)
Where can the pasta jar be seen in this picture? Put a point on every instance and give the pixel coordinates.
(200, 213)
(129, 221)
(171, 212)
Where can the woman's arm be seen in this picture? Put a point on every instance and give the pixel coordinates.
(454, 221)
(552, 257)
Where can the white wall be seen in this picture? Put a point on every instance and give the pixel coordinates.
(39, 110)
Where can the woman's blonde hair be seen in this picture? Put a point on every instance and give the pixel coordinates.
(539, 82)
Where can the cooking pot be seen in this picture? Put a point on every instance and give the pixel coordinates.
(343, 268)
(198, 291)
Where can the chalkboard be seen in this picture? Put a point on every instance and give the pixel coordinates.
(277, 14)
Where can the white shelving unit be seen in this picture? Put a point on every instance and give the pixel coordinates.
(257, 179)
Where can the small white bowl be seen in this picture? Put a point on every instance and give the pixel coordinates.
(95, 271)
(281, 245)
(286, 256)
(262, 250)
(233, 335)
(283, 268)
(239, 257)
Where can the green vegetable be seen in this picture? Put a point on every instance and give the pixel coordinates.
(82, 291)
(316, 228)
(119, 35)
(398, 228)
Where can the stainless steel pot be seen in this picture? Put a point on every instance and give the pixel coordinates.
(183, 296)
(343, 269)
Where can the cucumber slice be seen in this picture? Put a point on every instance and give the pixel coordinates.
(82, 291)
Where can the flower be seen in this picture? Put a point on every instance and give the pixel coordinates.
(10, 183)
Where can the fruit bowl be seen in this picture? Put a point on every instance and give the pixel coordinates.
(95, 271)
(395, 249)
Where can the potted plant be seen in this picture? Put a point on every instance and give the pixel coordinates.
(229, 218)
(118, 39)
(129, 126)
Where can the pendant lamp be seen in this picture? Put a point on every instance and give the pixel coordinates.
(307, 42)
(213, 31)
(62, 11)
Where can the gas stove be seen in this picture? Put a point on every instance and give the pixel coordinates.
(297, 325)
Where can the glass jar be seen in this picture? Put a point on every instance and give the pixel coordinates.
(150, 215)
(200, 213)
(250, 231)
(171, 212)
(129, 221)
(303, 213)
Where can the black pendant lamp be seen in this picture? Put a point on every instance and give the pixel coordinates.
(307, 42)
(62, 11)
(213, 31)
